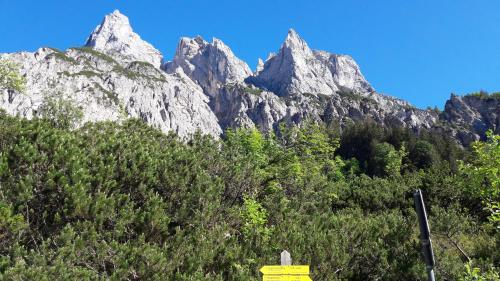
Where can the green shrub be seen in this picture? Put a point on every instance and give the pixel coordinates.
(127, 202)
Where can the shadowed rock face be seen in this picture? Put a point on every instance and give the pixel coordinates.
(206, 87)
(472, 116)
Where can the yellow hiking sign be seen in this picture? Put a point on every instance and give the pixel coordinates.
(287, 278)
(285, 271)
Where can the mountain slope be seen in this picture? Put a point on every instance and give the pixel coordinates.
(206, 87)
(106, 89)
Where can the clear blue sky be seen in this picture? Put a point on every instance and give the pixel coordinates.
(417, 50)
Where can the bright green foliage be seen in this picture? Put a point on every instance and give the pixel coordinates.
(10, 77)
(254, 218)
(483, 174)
(386, 160)
(315, 145)
(475, 274)
(484, 171)
(110, 201)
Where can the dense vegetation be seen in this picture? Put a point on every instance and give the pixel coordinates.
(126, 202)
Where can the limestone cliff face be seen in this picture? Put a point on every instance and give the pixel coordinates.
(116, 78)
(295, 84)
(295, 70)
(211, 65)
(205, 87)
(471, 116)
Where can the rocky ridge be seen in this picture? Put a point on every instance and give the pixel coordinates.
(117, 75)
(471, 116)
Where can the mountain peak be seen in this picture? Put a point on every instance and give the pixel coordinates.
(292, 34)
(294, 70)
(118, 16)
(294, 41)
(211, 65)
(116, 12)
(260, 66)
(115, 37)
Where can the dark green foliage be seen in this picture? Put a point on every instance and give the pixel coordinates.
(357, 142)
(423, 154)
(484, 95)
(422, 150)
(126, 202)
(62, 56)
(95, 53)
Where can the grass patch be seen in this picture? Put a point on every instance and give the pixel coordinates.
(350, 95)
(86, 73)
(243, 88)
(55, 49)
(133, 70)
(142, 64)
(62, 56)
(356, 97)
(95, 53)
(252, 91)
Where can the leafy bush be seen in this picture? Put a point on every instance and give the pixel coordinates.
(10, 77)
(127, 202)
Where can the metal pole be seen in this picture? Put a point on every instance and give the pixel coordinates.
(425, 233)
(430, 274)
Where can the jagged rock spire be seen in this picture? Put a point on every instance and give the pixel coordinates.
(294, 42)
(115, 37)
(295, 70)
(211, 65)
(260, 66)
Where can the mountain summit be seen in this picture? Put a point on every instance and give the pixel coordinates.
(297, 69)
(212, 65)
(115, 37)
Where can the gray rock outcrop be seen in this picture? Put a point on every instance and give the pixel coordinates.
(115, 37)
(211, 65)
(472, 115)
